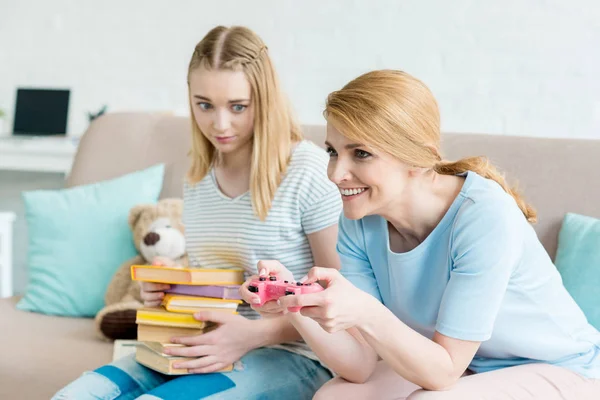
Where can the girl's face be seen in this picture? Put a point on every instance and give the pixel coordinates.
(371, 182)
(222, 107)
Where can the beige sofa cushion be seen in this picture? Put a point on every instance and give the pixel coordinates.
(41, 354)
(557, 176)
(120, 143)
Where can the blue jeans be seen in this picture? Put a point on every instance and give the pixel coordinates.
(265, 374)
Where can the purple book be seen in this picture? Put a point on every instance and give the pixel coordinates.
(219, 292)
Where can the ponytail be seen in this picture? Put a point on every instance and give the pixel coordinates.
(483, 167)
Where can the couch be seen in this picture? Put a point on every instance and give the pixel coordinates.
(40, 353)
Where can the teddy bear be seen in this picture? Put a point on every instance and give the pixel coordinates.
(158, 233)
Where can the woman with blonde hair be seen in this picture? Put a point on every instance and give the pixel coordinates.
(255, 190)
(445, 291)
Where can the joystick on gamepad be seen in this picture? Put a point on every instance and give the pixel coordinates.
(273, 288)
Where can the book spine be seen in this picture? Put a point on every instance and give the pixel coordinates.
(218, 292)
(173, 319)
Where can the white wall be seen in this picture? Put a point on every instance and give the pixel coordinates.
(519, 67)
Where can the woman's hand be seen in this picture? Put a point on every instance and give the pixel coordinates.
(153, 293)
(266, 268)
(230, 341)
(339, 307)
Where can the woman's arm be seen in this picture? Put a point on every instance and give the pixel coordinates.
(345, 352)
(271, 331)
(485, 252)
(432, 364)
(362, 327)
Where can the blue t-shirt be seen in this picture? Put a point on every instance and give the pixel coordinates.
(481, 275)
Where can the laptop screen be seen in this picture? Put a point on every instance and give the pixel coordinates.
(41, 112)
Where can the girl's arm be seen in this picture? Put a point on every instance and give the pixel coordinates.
(322, 246)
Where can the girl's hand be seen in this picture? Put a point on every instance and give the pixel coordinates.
(266, 268)
(339, 307)
(153, 293)
(230, 341)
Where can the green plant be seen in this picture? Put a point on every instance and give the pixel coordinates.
(2, 113)
(93, 116)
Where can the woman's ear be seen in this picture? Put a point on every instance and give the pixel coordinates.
(415, 172)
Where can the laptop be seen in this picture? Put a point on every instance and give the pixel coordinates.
(41, 112)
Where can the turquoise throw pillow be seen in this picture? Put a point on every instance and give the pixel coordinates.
(578, 261)
(78, 238)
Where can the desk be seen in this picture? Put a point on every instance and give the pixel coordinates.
(37, 153)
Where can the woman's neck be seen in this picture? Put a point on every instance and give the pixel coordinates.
(415, 217)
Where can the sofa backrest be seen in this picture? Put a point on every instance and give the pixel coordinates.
(555, 175)
(120, 143)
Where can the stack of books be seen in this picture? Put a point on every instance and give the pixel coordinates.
(192, 290)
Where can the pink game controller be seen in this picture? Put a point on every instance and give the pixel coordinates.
(271, 289)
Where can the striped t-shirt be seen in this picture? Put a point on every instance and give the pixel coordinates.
(224, 232)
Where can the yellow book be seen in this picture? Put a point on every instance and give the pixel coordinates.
(163, 334)
(162, 317)
(187, 276)
(191, 304)
(164, 364)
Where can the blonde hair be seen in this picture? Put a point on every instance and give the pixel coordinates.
(275, 130)
(396, 113)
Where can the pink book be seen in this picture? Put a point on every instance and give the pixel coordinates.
(219, 292)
